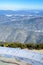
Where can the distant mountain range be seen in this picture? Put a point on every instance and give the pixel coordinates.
(24, 26)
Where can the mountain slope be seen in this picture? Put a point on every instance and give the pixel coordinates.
(21, 28)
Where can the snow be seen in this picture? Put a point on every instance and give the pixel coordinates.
(22, 54)
(9, 15)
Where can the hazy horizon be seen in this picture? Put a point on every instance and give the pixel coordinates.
(21, 4)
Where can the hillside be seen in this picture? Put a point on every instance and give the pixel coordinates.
(21, 26)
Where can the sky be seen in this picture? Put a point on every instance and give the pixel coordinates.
(20, 4)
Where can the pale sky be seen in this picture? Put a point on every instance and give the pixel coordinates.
(20, 4)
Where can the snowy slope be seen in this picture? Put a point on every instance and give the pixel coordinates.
(26, 55)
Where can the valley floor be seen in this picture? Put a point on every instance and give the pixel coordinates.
(39, 51)
(18, 56)
(11, 61)
(34, 50)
